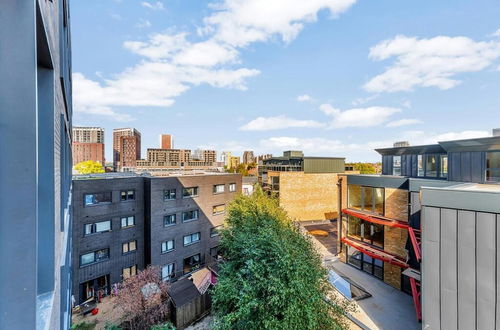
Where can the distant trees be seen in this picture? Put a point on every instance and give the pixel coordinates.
(242, 168)
(144, 300)
(272, 276)
(89, 167)
(364, 168)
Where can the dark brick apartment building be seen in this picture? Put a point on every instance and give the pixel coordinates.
(124, 222)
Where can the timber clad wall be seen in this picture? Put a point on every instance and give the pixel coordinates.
(309, 196)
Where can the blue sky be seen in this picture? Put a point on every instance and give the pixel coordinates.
(329, 77)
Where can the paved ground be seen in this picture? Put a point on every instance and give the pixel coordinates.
(107, 314)
(329, 242)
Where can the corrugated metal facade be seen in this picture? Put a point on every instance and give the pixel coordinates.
(324, 165)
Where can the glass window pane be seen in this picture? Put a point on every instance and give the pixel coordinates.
(368, 267)
(377, 235)
(354, 196)
(87, 258)
(125, 247)
(354, 227)
(493, 159)
(88, 229)
(420, 166)
(368, 199)
(379, 200)
(133, 246)
(187, 240)
(431, 166)
(444, 166)
(493, 175)
(124, 222)
(396, 165)
(103, 226)
(354, 257)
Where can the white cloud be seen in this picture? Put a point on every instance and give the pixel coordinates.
(363, 100)
(404, 122)
(422, 138)
(241, 22)
(495, 34)
(358, 117)
(171, 64)
(304, 98)
(430, 62)
(158, 5)
(406, 104)
(143, 23)
(278, 122)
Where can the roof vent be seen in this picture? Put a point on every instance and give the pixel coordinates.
(401, 144)
(496, 132)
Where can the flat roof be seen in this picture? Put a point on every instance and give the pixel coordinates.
(466, 196)
(122, 175)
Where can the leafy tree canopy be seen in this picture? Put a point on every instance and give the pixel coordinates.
(89, 167)
(272, 276)
(364, 168)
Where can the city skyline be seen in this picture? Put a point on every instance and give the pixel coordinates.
(301, 82)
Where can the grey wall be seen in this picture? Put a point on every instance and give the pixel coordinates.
(460, 252)
(113, 239)
(35, 120)
(206, 199)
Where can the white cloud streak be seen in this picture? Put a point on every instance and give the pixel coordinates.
(304, 98)
(358, 117)
(430, 62)
(278, 122)
(158, 5)
(404, 122)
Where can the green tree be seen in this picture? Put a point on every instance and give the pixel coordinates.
(272, 276)
(89, 167)
(364, 168)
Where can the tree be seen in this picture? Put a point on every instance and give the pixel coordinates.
(143, 298)
(89, 167)
(364, 168)
(272, 276)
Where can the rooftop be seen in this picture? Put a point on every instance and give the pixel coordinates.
(122, 175)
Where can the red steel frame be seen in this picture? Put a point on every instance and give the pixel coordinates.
(416, 297)
(375, 253)
(376, 219)
(415, 242)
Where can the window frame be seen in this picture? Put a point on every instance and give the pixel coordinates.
(215, 229)
(221, 212)
(214, 189)
(196, 189)
(174, 215)
(95, 257)
(191, 239)
(442, 174)
(127, 195)
(393, 164)
(104, 193)
(128, 247)
(487, 169)
(133, 267)
(166, 246)
(127, 221)
(171, 274)
(362, 199)
(362, 238)
(191, 219)
(232, 187)
(93, 226)
(169, 192)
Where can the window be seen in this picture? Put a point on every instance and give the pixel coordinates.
(128, 221)
(97, 198)
(368, 199)
(219, 188)
(364, 262)
(444, 166)
(167, 246)
(431, 169)
(97, 227)
(192, 263)
(219, 209)
(93, 257)
(169, 194)
(167, 272)
(493, 166)
(215, 231)
(129, 247)
(190, 215)
(396, 165)
(127, 195)
(189, 192)
(420, 165)
(232, 187)
(214, 252)
(129, 271)
(365, 231)
(169, 220)
(191, 239)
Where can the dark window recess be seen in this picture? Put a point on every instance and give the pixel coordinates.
(97, 198)
(493, 166)
(365, 231)
(190, 215)
(127, 195)
(169, 220)
(191, 264)
(364, 262)
(190, 192)
(93, 257)
(97, 227)
(169, 194)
